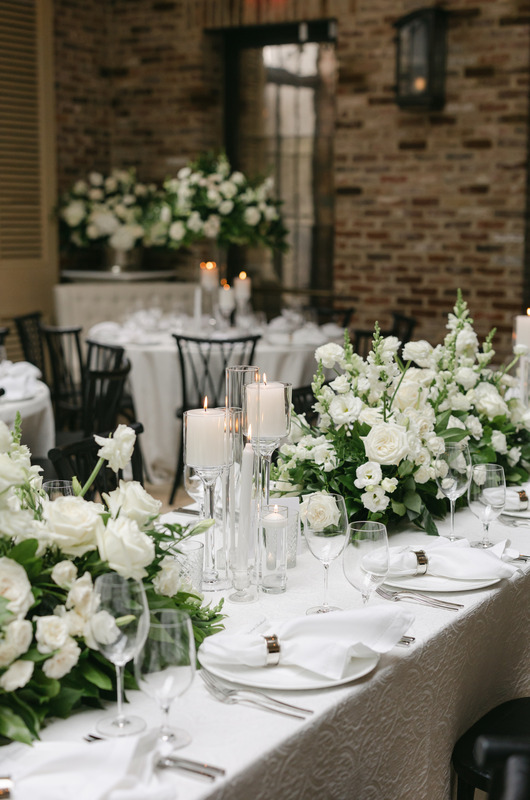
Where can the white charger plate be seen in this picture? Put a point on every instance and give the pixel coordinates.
(517, 514)
(435, 583)
(284, 676)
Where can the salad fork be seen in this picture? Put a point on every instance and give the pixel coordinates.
(253, 697)
(418, 597)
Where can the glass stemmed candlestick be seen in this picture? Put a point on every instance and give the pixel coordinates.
(206, 449)
(119, 628)
(268, 414)
(366, 558)
(325, 530)
(453, 472)
(486, 497)
(165, 667)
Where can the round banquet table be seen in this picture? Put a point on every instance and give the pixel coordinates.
(156, 392)
(38, 423)
(386, 736)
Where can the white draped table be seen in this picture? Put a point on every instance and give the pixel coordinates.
(387, 736)
(38, 424)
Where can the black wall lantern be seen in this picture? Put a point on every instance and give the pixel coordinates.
(420, 59)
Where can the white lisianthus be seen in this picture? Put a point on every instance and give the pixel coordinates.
(102, 629)
(423, 474)
(126, 549)
(15, 587)
(226, 207)
(96, 178)
(17, 676)
(514, 456)
(345, 408)
(368, 474)
(340, 384)
(325, 456)
(371, 416)
(73, 524)
(82, 596)
(474, 426)
(330, 354)
(498, 441)
(62, 662)
(419, 352)
(390, 345)
(118, 448)
(131, 499)
(64, 574)
(375, 499)
(322, 513)
(51, 633)
(389, 485)
(194, 222)
(386, 443)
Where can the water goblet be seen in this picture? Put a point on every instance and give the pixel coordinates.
(325, 529)
(365, 559)
(119, 628)
(56, 489)
(165, 667)
(453, 471)
(486, 497)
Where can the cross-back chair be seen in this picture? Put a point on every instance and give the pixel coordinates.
(203, 364)
(101, 356)
(303, 400)
(67, 374)
(29, 333)
(103, 393)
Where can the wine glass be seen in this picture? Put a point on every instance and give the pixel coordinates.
(366, 557)
(165, 666)
(325, 529)
(486, 496)
(56, 489)
(119, 628)
(453, 471)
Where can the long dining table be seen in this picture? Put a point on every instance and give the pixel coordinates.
(385, 736)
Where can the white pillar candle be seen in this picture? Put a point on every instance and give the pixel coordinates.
(197, 305)
(266, 410)
(521, 331)
(242, 286)
(205, 437)
(209, 276)
(245, 504)
(227, 302)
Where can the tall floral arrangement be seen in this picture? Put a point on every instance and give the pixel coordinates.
(207, 200)
(109, 210)
(50, 554)
(382, 423)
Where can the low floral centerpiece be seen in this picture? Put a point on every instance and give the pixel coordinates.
(51, 552)
(383, 422)
(106, 210)
(208, 201)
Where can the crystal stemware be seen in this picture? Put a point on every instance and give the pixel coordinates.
(119, 628)
(194, 487)
(366, 558)
(453, 471)
(58, 488)
(165, 667)
(325, 530)
(486, 496)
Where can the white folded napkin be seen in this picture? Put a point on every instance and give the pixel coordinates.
(514, 501)
(18, 379)
(309, 334)
(332, 331)
(320, 643)
(110, 332)
(119, 769)
(452, 560)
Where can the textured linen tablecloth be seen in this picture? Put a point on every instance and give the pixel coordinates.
(38, 425)
(156, 391)
(387, 736)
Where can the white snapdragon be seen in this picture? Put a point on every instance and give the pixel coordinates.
(118, 448)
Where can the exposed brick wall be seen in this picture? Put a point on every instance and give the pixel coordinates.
(425, 202)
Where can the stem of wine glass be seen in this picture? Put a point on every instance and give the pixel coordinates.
(452, 507)
(120, 719)
(485, 537)
(325, 603)
(166, 734)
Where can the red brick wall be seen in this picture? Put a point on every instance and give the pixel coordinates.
(425, 202)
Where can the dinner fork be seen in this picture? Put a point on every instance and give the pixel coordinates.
(418, 597)
(253, 697)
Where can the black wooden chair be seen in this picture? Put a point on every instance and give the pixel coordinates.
(101, 356)
(203, 364)
(67, 375)
(362, 341)
(509, 759)
(303, 400)
(509, 719)
(29, 333)
(103, 392)
(79, 458)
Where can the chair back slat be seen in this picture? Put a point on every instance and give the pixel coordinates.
(29, 333)
(67, 373)
(103, 393)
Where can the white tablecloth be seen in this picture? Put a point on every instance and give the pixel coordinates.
(387, 736)
(38, 425)
(156, 391)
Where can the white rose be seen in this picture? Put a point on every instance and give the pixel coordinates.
(73, 524)
(17, 639)
(252, 216)
(102, 629)
(96, 178)
(126, 549)
(330, 354)
(62, 662)
(74, 213)
(126, 236)
(498, 440)
(410, 395)
(17, 676)
(226, 207)
(375, 499)
(104, 222)
(466, 377)
(386, 443)
(368, 474)
(322, 513)
(419, 352)
(82, 597)
(488, 401)
(118, 448)
(168, 580)
(51, 633)
(423, 474)
(131, 499)
(64, 574)
(15, 587)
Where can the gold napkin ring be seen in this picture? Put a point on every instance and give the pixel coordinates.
(6, 787)
(423, 562)
(523, 499)
(273, 650)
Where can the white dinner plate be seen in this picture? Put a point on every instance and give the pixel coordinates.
(517, 514)
(435, 583)
(286, 677)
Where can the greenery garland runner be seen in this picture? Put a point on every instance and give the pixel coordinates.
(50, 555)
(383, 421)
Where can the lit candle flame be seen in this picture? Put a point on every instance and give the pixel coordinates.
(242, 275)
(205, 405)
(226, 286)
(264, 379)
(528, 312)
(275, 509)
(249, 432)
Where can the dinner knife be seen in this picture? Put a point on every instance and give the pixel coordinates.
(206, 771)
